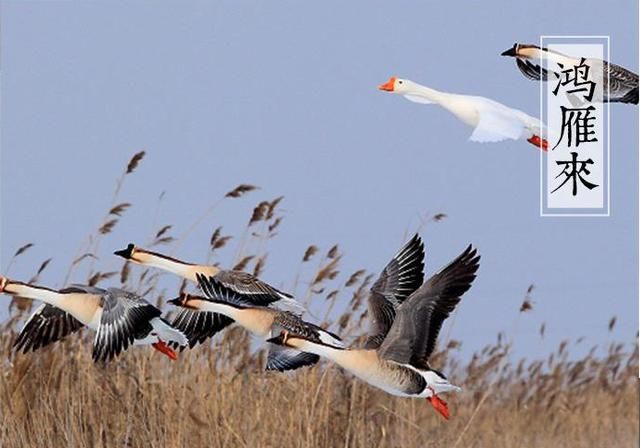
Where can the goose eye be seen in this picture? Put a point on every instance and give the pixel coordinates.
(399, 82)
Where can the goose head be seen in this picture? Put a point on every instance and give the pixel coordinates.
(512, 52)
(397, 85)
(522, 51)
(187, 301)
(128, 253)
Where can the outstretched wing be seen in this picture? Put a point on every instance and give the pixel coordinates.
(216, 290)
(496, 124)
(198, 326)
(412, 337)
(125, 318)
(399, 279)
(254, 291)
(46, 325)
(282, 358)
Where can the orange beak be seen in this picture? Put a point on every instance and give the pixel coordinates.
(162, 347)
(3, 283)
(389, 85)
(439, 405)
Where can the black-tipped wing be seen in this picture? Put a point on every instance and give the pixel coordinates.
(532, 71)
(125, 318)
(412, 337)
(198, 326)
(398, 280)
(282, 359)
(217, 291)
(261, 293)
(46, 325)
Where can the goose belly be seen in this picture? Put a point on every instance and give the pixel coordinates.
(392, 378)
(464, 111)
(87, 310)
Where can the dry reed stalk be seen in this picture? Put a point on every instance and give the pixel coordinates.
(21, 250)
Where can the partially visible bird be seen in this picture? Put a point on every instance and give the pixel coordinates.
(619, 85)
(120, 319)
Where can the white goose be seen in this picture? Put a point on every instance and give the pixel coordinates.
(492, 121)
(619, 84)
(403, 336)
(120, 319)
(202, 317)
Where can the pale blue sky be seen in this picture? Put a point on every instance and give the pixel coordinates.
(283, 94)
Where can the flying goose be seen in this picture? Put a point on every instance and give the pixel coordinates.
(402, 275)
(492, 121)
(396, 356)
(120, 319)
(619, 84)
(255, 316)
(200, 325)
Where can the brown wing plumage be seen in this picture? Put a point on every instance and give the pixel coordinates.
(412, 337)
(398, 280)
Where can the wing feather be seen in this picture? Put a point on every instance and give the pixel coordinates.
(198, 326)
(532, 71)
(254, 292)
(413, 335)
(125, 318)
(399, 279)
(46, 325)
(282, 359)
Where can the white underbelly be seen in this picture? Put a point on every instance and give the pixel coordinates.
(466, 114)
(88, 310)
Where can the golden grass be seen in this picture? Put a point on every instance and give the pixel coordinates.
(217, 395)
(213, 397)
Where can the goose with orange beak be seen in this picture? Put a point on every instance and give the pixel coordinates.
(200, 318)
(491, 121)
(120, 318)
(405, 326)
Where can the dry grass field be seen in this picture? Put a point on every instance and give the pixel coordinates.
(217, 395)
(213, 397)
